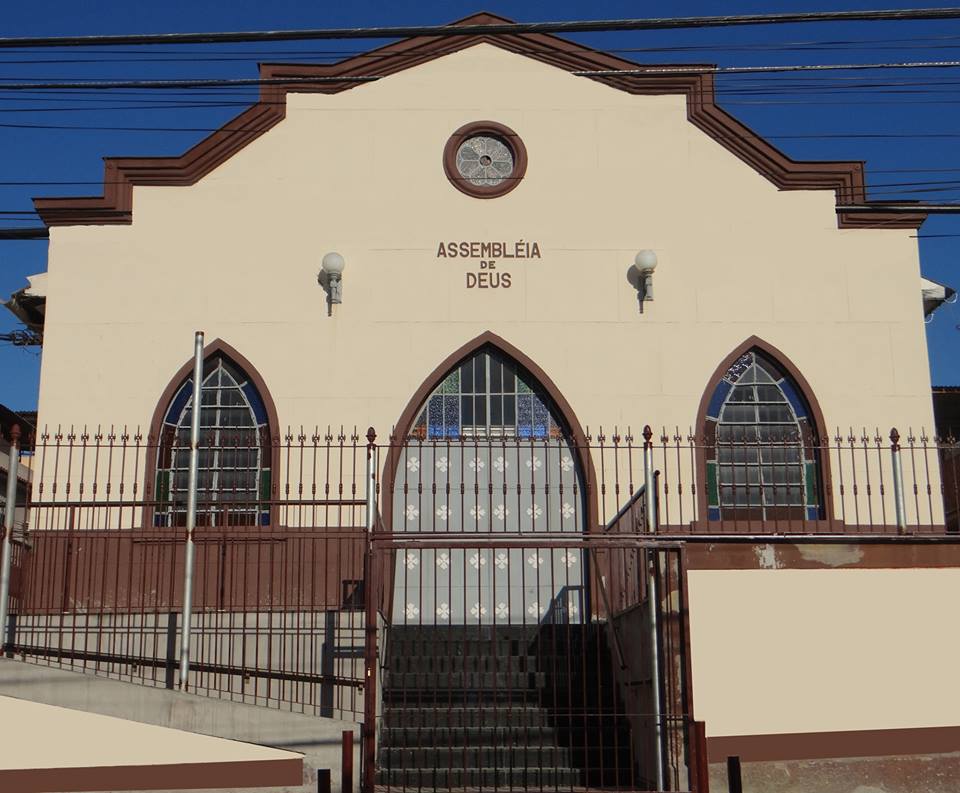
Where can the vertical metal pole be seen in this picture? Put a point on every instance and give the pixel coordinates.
(653, 564)
(734, 775)
(191, 509)
(9, 511)
(898, 496)
(370, 595)
(346, 762)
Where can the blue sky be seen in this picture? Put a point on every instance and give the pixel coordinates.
(914, 112)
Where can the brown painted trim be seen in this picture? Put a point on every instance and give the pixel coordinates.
(217, 346)
(823, 745)
(487, 339)
(178, 776)
(819, 425)
(845, 178)
(849, 554)
(492, 128)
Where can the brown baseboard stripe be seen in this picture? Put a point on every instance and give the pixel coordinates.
(823, 745)
(182, 776)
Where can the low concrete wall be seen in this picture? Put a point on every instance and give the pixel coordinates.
(932, 773)
(318, 739)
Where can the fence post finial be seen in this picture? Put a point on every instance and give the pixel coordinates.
(898, 496)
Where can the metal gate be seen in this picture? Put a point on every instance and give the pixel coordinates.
(557, 695)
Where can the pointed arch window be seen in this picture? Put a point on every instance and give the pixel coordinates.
(487, 395)
(234, 478)
(762, 456)
(488, 452)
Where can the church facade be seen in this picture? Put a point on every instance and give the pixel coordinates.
(508, 255)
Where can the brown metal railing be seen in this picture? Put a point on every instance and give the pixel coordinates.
(845, 485)
(521, 683)
(299, 586)
(277, 616)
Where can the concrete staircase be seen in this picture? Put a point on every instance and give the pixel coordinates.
(529, 707)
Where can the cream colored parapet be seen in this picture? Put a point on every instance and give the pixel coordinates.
(809, 651)
(56, 748)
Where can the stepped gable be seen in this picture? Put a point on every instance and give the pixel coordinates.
(695, 81)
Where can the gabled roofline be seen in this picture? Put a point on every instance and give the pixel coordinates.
(115, 206)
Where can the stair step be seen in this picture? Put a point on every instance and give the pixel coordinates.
(470, 706)
(471, 681)
(414, 737)
(445, 648)
(453, 664)
(486, 632)
(465, 717)
(446, 778)
(522, 756)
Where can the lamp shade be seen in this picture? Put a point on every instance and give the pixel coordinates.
(645, 261)
(333, 263)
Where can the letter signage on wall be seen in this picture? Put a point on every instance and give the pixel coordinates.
(487, 256)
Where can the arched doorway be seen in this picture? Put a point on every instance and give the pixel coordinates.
(491, 539)
(488, 454)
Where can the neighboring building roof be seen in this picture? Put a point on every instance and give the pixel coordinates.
(946, 411)
(695, 81)
(935, 295)
(29, 304)
(28, 427)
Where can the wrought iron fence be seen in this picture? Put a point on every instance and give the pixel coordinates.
(304, 569)
(277, 615)
(856, 482)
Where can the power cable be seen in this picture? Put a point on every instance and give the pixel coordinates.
(28, 233)
(180, 55)
(488, 29)
(765, 136)
(640, 71)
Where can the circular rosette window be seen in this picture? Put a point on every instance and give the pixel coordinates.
(485, 159)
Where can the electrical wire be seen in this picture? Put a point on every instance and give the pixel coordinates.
(489, 29)
(640, 71)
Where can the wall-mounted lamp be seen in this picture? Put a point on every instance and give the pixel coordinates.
(644, 263)
(331, 279)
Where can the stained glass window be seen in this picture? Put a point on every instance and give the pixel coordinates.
(487, 395)
(762, 457)
(234, 460)
(484, 160)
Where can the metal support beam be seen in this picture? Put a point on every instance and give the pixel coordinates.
(371, 593)
(191, 510)
(653, 565)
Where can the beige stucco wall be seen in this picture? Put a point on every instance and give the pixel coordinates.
(787, 651)
(609, 173)
(84, 739)
(360, 172)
